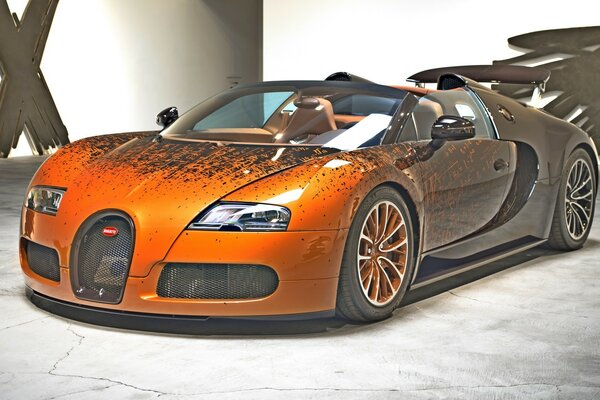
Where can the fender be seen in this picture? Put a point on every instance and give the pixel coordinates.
(69, 161)
(335, 185)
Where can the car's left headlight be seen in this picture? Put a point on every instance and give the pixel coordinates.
(44, 199)
(242, 217)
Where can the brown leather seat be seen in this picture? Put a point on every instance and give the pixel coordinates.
(313, 116)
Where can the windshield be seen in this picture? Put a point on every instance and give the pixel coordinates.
(342, 115)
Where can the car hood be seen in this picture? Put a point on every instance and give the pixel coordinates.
(164, 184)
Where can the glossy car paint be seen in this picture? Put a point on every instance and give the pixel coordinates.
(306, 257)
(464, 209)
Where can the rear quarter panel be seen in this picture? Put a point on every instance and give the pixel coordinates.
(553, 139)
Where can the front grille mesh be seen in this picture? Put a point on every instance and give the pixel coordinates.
(43, 261)
(216, 281)
(101, 262)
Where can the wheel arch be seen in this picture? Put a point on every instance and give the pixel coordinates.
(560, 236)
(593, 156)
(348, 308)
(414, 216)
(412, 209)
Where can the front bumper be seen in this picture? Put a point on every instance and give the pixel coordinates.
(307, 264)
(191, 325)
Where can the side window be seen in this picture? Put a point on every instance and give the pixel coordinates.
(484, 122)
(409, 132)
(460, 103)
(361, 104)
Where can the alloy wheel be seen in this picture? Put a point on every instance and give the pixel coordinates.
(579, 198)
(382, 253)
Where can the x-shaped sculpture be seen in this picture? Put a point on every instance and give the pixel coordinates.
(25, 101)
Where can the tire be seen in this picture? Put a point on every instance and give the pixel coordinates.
(386, 281)
(574, 210)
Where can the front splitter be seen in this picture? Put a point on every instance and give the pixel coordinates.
(188, 325)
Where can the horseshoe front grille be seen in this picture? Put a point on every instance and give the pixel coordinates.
(101, 258)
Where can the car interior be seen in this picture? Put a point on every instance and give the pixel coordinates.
(333, 119)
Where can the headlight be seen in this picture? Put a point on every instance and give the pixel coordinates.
(243, 217)
(44, 199)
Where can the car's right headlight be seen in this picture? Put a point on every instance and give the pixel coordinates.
(44, 199)
(243, 217)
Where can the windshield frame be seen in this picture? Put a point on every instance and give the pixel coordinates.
(181, 128)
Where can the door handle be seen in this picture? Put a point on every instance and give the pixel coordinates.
(500, 164)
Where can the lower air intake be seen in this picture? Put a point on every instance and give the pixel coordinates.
(43, 261)
(216, 281)
(101, 257)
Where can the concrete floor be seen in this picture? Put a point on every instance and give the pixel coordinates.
(526, 327)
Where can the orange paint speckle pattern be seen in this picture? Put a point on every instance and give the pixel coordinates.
(164, 185)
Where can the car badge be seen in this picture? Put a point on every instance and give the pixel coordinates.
(110, 231)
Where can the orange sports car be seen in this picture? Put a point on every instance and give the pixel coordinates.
(303, 199)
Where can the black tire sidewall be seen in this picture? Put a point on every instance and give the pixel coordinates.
(578, 154)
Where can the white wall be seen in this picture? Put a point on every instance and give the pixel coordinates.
(111, 65)
(388, 40)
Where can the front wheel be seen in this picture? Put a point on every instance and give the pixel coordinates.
(574, 210)
(378, 259)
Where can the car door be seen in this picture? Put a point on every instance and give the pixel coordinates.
(464, 181)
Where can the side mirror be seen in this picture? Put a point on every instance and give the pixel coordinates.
(449, 127)
(167, 116)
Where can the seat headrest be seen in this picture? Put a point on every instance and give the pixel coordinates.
(307, 102)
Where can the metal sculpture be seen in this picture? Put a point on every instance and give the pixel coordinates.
(573, 57)
(26, 105)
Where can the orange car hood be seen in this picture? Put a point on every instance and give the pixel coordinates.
(164, 185)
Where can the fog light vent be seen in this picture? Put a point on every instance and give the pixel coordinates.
(216, 281)
(43, 261)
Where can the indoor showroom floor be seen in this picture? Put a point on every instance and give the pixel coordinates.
(527, 327)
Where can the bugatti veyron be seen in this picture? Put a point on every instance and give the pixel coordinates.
(305, 199)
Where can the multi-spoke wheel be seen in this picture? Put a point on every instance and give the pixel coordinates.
(575, 207)
(381, 258)
(378, 258)
(578, 199)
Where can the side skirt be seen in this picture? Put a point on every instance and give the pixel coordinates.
(472, 262)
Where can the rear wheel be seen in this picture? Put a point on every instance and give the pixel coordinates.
(574, 210)
(378, 258)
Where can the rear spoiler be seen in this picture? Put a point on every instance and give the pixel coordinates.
(452, 77)
(487, 73)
